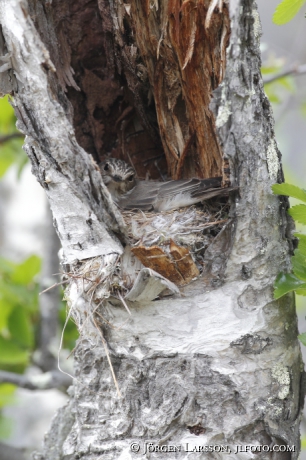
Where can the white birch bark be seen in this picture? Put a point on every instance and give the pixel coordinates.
(217, 366)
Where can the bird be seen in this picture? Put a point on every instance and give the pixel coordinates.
(130, 193)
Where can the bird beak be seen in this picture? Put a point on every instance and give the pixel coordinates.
(117, 178)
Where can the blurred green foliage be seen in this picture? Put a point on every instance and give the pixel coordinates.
(7, 396)
(19, 319)
(10, 140)
(295, 281)
(277, 88)
(19, 323)
(18, 312)
(286, 11)
(19, 285)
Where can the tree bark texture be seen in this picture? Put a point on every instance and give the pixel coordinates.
(221, 363)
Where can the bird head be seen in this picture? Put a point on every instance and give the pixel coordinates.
(118, 176)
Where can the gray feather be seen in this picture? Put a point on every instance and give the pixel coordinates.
(131, 193)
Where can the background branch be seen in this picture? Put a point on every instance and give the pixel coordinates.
(9, 137)
(295, 70)
(46, 381)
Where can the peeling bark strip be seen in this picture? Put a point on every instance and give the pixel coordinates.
(179, 47)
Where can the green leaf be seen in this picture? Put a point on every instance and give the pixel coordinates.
(302, 338)
(302, 242)
(289, 190)
(7, 116)
(6, 266)
(272, 96)
(286, 11)
(298, 213)
(11, 353)
(13, 293)
(5, 311)
(10, 151)
(6, 427)
(301, 292)
(303, 442)
(25, 272)
(266, 70)
(287, 83)
(20, 328)
(7, 158)
(299, 264)
(287, 282)
(7, 391)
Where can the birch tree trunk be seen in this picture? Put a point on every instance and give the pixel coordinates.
(219, 365)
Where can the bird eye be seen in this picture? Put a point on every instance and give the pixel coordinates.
(131, 178)
(106, 167)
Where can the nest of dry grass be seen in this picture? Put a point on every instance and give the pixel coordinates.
(185, 226)
(194, 227)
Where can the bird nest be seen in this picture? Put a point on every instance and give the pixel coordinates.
(166, 250)
(173, 243)
(185, 226)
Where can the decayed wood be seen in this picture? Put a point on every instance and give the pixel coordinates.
(164, 108)
(177, 266)
(184, 262)
(181, 45)
(155, 258)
